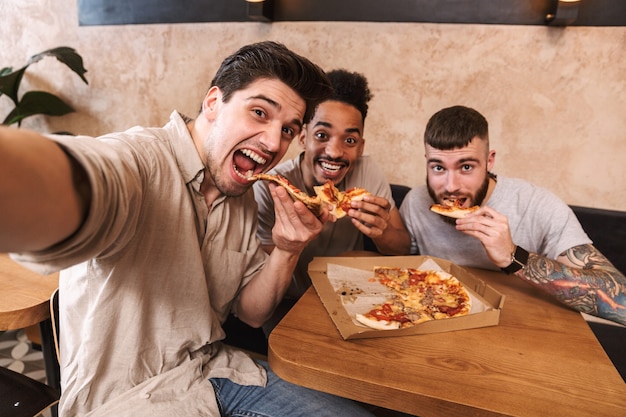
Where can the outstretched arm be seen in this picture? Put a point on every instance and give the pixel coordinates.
(43, 199)
(582, 278)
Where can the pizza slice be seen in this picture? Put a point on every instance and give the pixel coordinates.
(452, 208)
(339, 200)
(313, 203)
(392, 315)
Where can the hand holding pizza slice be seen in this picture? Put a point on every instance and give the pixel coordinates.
(340, 201)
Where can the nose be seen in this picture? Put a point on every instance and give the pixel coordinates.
(334, 148)
(271, 137)
(452, 182)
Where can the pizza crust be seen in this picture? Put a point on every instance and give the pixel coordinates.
(377, 324)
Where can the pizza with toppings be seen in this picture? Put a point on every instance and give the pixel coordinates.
(338, 201)
(417, 296)
(453, 208)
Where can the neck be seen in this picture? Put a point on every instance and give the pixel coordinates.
(209, 190)
(490, 188)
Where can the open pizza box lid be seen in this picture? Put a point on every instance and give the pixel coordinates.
(346, 287)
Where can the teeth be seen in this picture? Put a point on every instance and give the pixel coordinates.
(246, 175)
(330, 167)
(254, 156)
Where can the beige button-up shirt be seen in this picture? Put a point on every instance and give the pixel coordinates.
(148, 279)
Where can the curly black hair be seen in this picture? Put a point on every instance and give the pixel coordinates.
(350, 88)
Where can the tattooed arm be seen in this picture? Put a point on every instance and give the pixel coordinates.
(582, 278)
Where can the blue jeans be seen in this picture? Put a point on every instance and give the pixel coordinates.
(280, 398)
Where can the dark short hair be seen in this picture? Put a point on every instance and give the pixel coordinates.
(350, 88)
(455, 127)
(273, 60)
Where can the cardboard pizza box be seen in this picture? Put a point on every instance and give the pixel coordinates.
(345, 286)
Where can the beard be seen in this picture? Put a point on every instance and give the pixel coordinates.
(476, 199)
(221, 180)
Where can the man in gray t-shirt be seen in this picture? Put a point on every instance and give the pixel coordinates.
(520, 228)
(333, 144)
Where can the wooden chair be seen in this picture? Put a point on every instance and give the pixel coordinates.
(21, 396)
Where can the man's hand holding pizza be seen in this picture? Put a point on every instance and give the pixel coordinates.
(375, 218)
(371, 215)
(492, 230)
(295, 224)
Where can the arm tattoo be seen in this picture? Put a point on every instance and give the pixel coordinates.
(590, 283)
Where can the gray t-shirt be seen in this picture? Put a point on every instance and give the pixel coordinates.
(336, 237)
(539, 221)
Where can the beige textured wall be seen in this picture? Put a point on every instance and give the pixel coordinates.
(555, 98)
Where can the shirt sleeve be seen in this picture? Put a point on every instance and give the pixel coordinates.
(116, 193)
(372, 178)
(556, 223)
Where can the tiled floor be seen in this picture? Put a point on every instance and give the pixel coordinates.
(17, 354)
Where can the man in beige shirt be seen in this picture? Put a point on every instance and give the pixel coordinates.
(154, 231)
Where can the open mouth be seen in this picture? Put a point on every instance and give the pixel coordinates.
(453, 201)
(247, 162)
(331, 170)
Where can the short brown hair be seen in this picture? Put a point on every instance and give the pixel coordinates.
(455, 127)
(273, 60)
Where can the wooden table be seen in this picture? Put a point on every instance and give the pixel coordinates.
(541, 359)
(25, 301)
(24, 295)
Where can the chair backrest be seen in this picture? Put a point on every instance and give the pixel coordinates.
(21, 396)
(54, 316)
(607, 230)
(398, 192)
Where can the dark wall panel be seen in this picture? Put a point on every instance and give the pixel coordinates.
(122, 12)
(508, 12)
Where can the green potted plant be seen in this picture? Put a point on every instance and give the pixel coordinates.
(38, 102)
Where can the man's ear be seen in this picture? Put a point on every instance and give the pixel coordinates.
(361, 147)
(302, 137)
(491, 160)
(211, 102)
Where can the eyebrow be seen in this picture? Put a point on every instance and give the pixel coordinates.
(276, 105)
(459, 162)
(328, 125)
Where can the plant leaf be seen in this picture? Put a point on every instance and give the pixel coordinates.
(66, 55)
(37, 102)
(10, 82)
